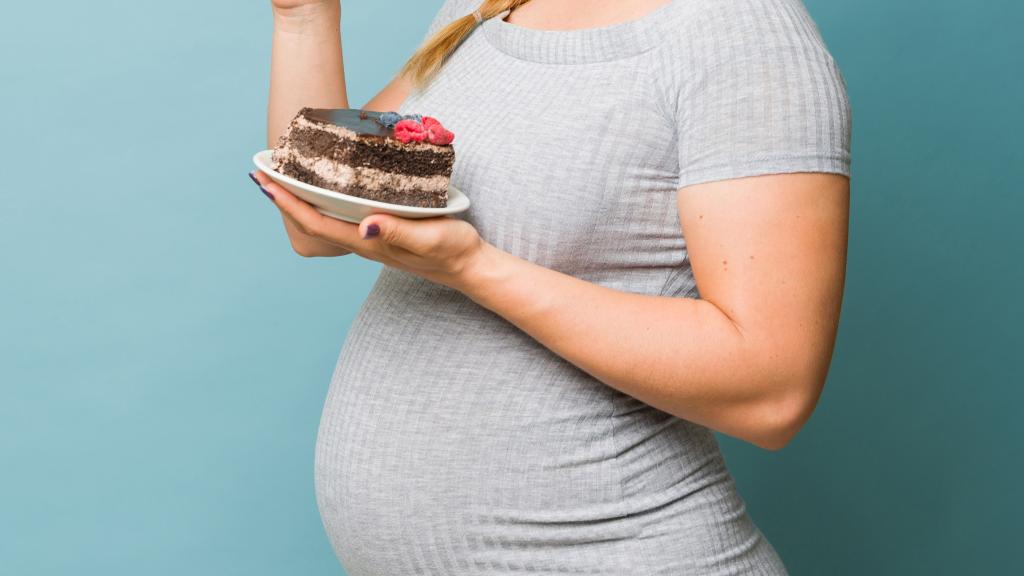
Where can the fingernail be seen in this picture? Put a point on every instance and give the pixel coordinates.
(252, 175)
(267, 193)
(371, 231)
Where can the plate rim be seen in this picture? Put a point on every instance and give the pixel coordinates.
(264, 167)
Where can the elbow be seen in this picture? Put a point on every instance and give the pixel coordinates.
(777, 419)
(775, 426)
(780, 382)
(790, 380)
(775, 437)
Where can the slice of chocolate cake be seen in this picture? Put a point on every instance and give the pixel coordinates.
(385, 157)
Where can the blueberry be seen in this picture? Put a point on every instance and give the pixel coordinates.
(389, 119)
(416, 117)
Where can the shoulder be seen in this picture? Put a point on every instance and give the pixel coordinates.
(766, 47)
(708, 33)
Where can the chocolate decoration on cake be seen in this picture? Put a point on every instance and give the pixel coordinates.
(354, 153)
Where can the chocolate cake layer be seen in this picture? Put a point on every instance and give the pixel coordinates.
(420, 197)
(368, 152)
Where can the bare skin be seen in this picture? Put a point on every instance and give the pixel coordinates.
(749, 358)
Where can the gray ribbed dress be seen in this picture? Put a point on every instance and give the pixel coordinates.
(452, 443)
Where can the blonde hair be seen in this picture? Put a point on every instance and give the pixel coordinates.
(436, 50)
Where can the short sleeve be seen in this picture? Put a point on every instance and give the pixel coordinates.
(758, 93)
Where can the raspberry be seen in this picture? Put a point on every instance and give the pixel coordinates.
(438, 135)
(410, 131)
(429, 122)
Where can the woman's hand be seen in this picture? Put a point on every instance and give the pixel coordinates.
(304, 16)
(285, 5)
(442, 250)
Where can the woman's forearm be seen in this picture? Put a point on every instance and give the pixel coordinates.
(306, 69)
(681, 355)
(306, 64)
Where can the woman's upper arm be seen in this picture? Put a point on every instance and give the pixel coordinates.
(763, 124)
(391, 96)
(770, 252)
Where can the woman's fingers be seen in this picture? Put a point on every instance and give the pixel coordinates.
(313, 223)
(419, 237)
(259, 178)
(306, 218)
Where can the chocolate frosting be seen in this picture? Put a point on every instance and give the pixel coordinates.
(362, 122)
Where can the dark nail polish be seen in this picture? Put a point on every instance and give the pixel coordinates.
(372, 230)
(252, 176)
(267, 193)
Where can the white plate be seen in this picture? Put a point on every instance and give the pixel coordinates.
(352, 208)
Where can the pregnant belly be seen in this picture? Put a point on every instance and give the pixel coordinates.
(454, 469)
(410, 485)
(452, 443)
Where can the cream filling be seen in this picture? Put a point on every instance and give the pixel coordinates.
(343, 176)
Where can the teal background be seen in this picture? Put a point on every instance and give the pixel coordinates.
(164, 355)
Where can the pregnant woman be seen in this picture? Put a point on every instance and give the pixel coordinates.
(655, 251)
